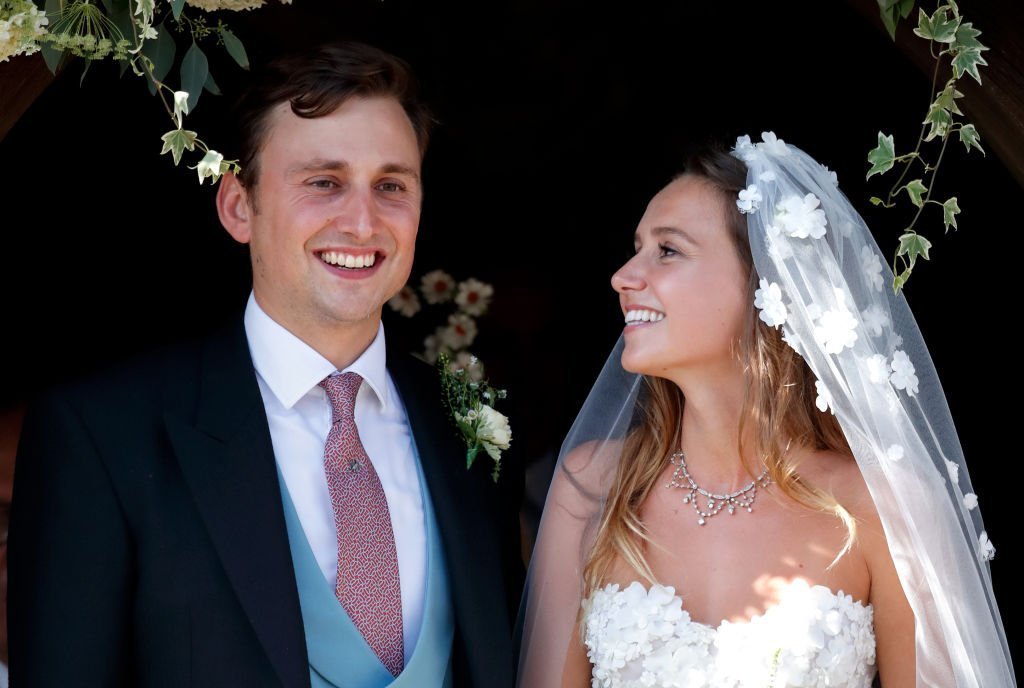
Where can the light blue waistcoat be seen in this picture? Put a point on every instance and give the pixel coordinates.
(339, 656)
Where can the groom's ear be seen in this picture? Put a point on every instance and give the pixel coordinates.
(234, 208)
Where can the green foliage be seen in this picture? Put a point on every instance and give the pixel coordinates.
(143, 35)
(956, 41)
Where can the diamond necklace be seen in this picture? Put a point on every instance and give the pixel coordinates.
(740, 499)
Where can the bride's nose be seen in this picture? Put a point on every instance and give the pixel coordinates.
(629, 277)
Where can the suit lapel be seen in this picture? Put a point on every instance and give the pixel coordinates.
(468, 531)
(228, 462)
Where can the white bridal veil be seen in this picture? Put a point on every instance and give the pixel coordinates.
(825, 283)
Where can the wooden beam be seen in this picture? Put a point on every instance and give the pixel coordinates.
(22, 79)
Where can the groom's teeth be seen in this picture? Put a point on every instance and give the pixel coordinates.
(350, 261)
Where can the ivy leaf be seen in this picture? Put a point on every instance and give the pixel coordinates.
(161, 54)
(883, 157)
(967, 37)
(913, 245)
(940, 121)
(967, 61)
(947, 99)
(194, 70)
(176, 7)
(969, 136)
(876, 201)
(901, 280)
(950, 209)
(234, 47)
(212, 165)
(939, 28)
(180, 106)
(914, 190)
(177, 141)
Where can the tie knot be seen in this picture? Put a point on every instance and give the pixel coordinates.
(341, 391)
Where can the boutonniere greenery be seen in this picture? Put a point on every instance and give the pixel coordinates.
(470, 401)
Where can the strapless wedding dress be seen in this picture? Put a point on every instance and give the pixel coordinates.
(643, 638)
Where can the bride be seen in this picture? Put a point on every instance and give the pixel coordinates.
(764, 487)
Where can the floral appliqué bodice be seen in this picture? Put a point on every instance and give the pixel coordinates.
(643, 638)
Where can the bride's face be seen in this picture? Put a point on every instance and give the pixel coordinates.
(684, 293)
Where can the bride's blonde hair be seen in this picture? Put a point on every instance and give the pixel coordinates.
(779, 401)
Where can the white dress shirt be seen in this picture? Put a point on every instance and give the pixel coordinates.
(289, 372)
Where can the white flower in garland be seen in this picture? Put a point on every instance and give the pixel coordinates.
(749, 200)
(437, 286)
(903, 374)
(21, 27)
(474, 296)
(875, 320)
(460, 333)
(878, 369)
(836, 330)
(769, 300)
(871, 264)
(773, 144)
(801, 218)
(406, 302)
(971, 501)
(987, 549)
(824, 399)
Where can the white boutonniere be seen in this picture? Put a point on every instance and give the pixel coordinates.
(470, 400)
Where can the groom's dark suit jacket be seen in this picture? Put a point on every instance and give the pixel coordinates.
(148, 543)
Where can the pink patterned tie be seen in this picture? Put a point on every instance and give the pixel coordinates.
(368, 585)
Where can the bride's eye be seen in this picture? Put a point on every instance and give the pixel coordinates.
(664, 250)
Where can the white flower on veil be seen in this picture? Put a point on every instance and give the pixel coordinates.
(953, 468)
(875, 320)
(894, 452)
(769, 300)
(801, 217)
(749, 200)
(773, 144)
(872, 266)
(988, 550)
(903, 376)
(836, 330)
(878, 369)
(971, 501)
(824, 399)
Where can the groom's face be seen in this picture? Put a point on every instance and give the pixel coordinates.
(334, 213)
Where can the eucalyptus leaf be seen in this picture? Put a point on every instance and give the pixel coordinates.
(51, 56)
(967, 61)
(211, 85)
(194, 70)
(234, 47)
(906, 7)
(177, 141)
(913, 245)
(176, 7)
(950, 209)
(160, 52)
(915, 189)
(883, 157)
(890, 15)
(970, 137)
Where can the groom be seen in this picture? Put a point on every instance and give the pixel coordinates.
(283, 503)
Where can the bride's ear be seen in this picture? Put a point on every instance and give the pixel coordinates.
(234, 208)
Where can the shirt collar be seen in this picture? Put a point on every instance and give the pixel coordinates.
(291, 368)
